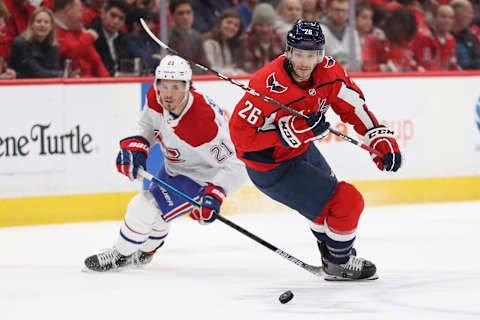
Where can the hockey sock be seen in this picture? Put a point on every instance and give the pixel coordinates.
(338, 251)
(129, 240)
(152, 243)
(158, 234)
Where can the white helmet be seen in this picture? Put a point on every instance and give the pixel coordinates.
(173, 68)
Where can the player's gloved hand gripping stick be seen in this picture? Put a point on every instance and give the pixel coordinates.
(312, 269)
(253, 92)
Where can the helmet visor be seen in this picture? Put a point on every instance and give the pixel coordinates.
(305, 57)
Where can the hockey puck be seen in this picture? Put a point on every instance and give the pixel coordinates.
(286, 297)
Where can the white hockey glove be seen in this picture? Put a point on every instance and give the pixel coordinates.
(293, 130)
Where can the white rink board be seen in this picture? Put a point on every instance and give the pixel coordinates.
(101, 113)
(434, 118)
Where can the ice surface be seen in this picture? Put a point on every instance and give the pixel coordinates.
(426, 255)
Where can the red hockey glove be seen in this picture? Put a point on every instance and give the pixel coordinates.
(133, 155)
(382, 139)
(211, 200)
(293, 130)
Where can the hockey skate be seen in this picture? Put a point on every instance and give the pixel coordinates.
(354, 269)
(141, 258)
(108, 260)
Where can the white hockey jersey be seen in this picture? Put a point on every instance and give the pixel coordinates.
(195, 144)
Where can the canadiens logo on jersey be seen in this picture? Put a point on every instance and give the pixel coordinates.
(330, 62)
(274, 85)
(170, 154)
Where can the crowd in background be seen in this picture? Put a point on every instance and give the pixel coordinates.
(103, 38)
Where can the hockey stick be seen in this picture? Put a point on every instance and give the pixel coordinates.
(252, 91)
(312, 269)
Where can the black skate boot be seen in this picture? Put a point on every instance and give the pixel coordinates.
(107, 260)
(354, 269)
(141, 258)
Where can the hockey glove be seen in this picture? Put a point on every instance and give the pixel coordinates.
(293, 130)
(133, 155)
(211, 200)
(382, 139)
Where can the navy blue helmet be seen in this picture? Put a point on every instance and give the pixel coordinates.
(306, 35)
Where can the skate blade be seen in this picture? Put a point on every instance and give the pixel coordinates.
(87, 270)
(335, 278)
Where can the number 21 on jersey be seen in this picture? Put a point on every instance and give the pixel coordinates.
(250, 113)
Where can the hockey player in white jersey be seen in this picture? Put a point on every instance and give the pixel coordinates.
(199, 160)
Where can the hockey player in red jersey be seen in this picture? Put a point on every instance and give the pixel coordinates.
(283, 163)
(199, 160)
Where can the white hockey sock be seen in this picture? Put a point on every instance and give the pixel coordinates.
(138, 222)
(158, 234)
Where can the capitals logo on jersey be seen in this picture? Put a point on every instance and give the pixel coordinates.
(274, 85)
(170, 154)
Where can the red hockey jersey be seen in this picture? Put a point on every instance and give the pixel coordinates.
(253, 124)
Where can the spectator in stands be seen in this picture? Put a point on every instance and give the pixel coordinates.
(91, 10)
(262, 43)
(181, 36)
(223, 45)
(414, 7)
(475, 26)
(380, 15)
(153, 6)
(246, 10)
(312, 10)
(34, 53)
(20, 12)
(4, 38)
(76, 43)
(5, 72)
(436, 50)
(395, 54)
(112, 43)
(207, 13)
(336, 28)
(139, 42)
(367, 38)
(289, 11)
(467, 49)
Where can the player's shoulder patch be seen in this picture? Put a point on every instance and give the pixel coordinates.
(269, 79)
(212, 103)
(274, 85)
(198, 124)
(152, 102)
(330, 62)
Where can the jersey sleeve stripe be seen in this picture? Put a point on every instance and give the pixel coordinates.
(353, 98)
(295, 101)
(329, 83)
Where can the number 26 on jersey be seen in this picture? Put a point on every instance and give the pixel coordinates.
(250, 113)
